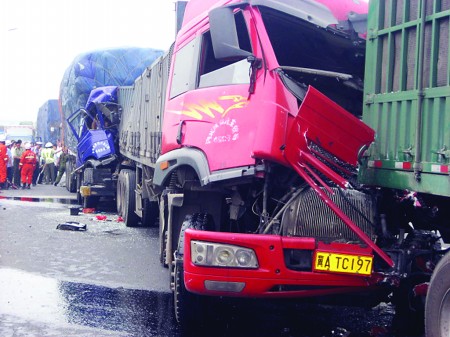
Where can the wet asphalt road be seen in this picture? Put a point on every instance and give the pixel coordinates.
(107, 281)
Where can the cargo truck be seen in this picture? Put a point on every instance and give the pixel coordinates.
(297, 149)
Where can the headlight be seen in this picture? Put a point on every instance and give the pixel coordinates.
(218, 255)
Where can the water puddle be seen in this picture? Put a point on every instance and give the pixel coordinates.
(65, 201)
(31, 297)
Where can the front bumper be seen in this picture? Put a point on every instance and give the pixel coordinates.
(272, 278)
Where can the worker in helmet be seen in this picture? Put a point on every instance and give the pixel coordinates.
(48, 160)
(27, 166)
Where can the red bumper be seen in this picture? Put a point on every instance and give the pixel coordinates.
(272, 279)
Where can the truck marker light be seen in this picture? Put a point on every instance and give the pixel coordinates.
(217, 255)
(403, 165)
(164, 165)
(439, 168)
(85, 191)
(375, 163)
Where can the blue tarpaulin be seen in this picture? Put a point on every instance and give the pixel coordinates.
(109, 67)
(48, 122)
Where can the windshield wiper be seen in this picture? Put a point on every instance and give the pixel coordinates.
(318, 72)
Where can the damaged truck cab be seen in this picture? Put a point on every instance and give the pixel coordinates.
(95, 128)
(246, 139)
(260, 148)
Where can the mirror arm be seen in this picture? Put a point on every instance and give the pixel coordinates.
(255, 64)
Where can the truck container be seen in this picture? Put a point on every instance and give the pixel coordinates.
(24, 132)
(49, 122)
(291, 150)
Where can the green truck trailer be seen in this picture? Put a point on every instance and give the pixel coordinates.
(407, 103)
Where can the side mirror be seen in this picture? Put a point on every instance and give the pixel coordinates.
(224, 35)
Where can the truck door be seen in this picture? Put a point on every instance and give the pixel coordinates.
(208, 99)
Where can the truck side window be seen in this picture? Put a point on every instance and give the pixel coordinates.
(216, 72)
(185, 68)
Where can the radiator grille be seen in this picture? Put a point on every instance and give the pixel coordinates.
(309, 216)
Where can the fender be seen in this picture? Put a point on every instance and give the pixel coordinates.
(170, 161)
(196, 159)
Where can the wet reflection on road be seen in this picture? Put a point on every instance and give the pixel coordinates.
(77, 309)
(65, 201)
(130, 312)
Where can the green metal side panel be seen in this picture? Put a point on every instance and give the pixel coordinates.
(407, 95)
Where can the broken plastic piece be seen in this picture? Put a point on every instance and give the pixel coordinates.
(101, 217)
(88, 210)
(72, 226)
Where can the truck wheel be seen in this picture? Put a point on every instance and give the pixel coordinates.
(71, 183)
(190, 309)
(120, 194)
(88, 176)
(125, 191)
(78, 184)
(437, 305)
(149, 213)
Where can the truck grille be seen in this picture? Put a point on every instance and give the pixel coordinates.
(309, 216)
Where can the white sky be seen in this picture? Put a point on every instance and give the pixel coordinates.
(40, 38)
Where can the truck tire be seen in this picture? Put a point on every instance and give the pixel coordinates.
(190, 309)
(437, 304)
(126, 201)
(120, 193)
(71, 182)
(78, 184)
(88, 176)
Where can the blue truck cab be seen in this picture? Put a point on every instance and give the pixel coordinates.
(96, 129)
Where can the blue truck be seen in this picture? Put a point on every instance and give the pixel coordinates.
(95, 128)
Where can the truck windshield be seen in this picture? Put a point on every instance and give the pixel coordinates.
(331, 61)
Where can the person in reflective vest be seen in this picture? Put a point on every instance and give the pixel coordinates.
(48, 160)
(27, 165)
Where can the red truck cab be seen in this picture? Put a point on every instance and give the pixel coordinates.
(261, 136)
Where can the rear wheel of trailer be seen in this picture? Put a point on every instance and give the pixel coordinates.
(126, 201)
(437, 305)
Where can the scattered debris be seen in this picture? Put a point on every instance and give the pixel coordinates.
(119, 219)
(72, 226)
(101, 217)
(88, 210)
(74, 210)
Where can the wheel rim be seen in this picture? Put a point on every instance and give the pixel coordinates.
(444, 317)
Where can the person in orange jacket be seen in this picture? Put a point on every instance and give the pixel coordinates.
(3, 163)
(27, 165)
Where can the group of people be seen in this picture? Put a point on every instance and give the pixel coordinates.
(23, 165)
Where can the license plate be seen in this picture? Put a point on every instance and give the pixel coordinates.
(343, 263)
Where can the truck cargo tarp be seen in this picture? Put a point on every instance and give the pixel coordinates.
(116, 67)
(48, 122)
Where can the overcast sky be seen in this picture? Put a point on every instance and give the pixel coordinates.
(40, 38)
